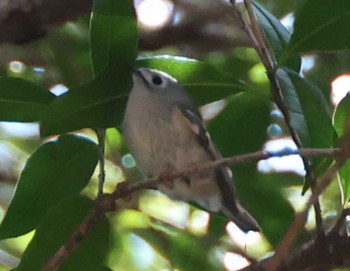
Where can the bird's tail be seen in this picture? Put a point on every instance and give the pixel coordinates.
(241, 218)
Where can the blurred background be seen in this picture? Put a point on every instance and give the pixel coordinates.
(59, 59)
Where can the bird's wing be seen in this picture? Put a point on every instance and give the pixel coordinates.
(230, 203)
(224, 173)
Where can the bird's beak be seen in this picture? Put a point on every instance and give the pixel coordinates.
(137, 73)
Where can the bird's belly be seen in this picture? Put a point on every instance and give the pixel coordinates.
(167, 154)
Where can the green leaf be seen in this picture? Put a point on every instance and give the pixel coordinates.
(56, 170)
(308, 109)
(341, 112)
(309, 113)
(321, 26)
(97, 104)
(277, 36)
(22, 100)
(113, 33)
(57, 227)
(204, 82)
(276, 214)
(344, 173)
(241, 127)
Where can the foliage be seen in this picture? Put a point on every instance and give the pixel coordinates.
(57, 185)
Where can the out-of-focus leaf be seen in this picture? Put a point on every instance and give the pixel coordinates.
(344, 173)
(113, 33)
(321, 26)
(341, 112)
(56, 170)
(309, 112)
(277, 35)
(98, 104)
(184, 250)
(217, 225)
(275, 214)
(22, 100)
(242, 128)
(56, 228)
(204, 82)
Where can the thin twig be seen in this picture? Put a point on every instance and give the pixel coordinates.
(282, 249)
(268, 59)
(101, 135)
(106, 202)
(322, 184)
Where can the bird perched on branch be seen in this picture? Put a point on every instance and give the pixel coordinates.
(165, 133)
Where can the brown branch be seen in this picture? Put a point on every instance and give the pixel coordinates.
(268, 59)
(332, 252)
(282, 261)
(103, 204)
(208, 26)
(106, 202)
(24, 21)
(101, 136)
(203, 27)
(325, 252)
(282, 249)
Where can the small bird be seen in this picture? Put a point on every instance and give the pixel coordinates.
(165, 133)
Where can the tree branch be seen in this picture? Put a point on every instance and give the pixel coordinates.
(267, 57)
(106, 202)
(24, 21)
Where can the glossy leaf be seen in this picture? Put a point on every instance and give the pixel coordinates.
(309, 111)
(321, 26)
(277, 36)
(56, 170)
(204, 82)
(113, 33)
(56, 228)
(22, 100)
(98, 104)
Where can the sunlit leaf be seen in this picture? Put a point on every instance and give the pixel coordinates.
(340, 115)
(56, 170)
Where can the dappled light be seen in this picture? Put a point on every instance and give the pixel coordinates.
(260, 87)
(153, 13)
(340, 88)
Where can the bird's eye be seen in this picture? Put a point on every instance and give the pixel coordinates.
(157, 80)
